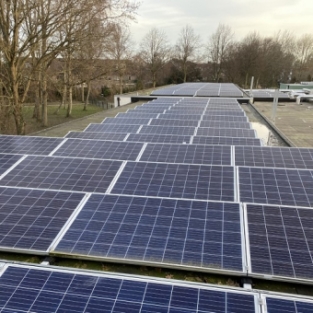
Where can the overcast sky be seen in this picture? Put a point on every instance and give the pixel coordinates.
(263, 16)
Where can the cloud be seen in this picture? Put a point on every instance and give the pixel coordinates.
(244, 16)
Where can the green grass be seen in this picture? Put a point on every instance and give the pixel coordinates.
(55, 119)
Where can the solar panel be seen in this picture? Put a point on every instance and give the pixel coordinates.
(277, 305)
(226, 132)
(136, 114)
(190, 154)
(176, 181)
(31, 219)
(232, 113)
(276, 186)
(157, 138)
(226, 141)
(97, 136)
(274, 157)
(189, 117)
(164, 122)
(167, 130)
(149, 110)
(114, 150)
(6, 161)
(281, 241)
(28, 144)
(45, 290)
(57, 173)
(225, 124)
(127, 121)
(114, 128)
(157, 231)
(225, 118)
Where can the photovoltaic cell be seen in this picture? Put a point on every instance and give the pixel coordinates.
(160, 231)
(136, 114)
(167, 130)
(6, 161)
(114, 150)
(157, 138)
(234, 113)
(97, 136)
(276, 186)
(225, 132)
(274, 157)
(57, 173)
(190, 154)
(173, 116)
(228, 118)
(126, 121)
(28, 145)
(45, 290)
(225, 124)
(281, 241)
(114, 128)
(31, 219)
(164, 122)
(226, 141)
(176, 181)
(276, 305)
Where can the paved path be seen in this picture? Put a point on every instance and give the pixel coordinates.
(80, 124)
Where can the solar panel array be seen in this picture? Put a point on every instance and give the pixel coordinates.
(179, 183)
(27, 288)
(201, 90)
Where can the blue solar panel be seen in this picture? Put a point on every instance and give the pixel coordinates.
(44, 290)
(167, 130)
(158, 231)
(225, 124)
(97, 136)
(116, 128)
(157, 138)
(31, 219)
(281, 241)
(127, 121)
(57, 173)
(177, 181)
(6, 161)
(28, 145)
(233, 113)
(276, 186)
(136, 114)
(164, 122)
(276, 305)
(173, 116)
(228, 118)
(225, 132)
(114, 150)
(226, 141)
(274, 157)
(192, 154)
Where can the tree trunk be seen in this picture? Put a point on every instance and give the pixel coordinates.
(70, 102)
(18, 110)
(44, 97)
(83, 92)
(87, 96)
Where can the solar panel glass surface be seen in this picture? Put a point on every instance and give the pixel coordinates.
(96, 149)
(176, 181)
(157, 138)
(31, 219)
(276, 186)
(190, 154)
(226, 141)
(58, 173)
(97, 136)
(159, 231)
(225, 132)
(43, 290)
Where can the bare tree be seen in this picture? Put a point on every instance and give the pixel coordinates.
(155, 51)
(217, 48)
(119, 48)
(303, 53)
(186, 48)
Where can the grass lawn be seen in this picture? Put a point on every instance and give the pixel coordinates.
(55, 119)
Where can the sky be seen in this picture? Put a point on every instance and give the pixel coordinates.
(266, 17)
